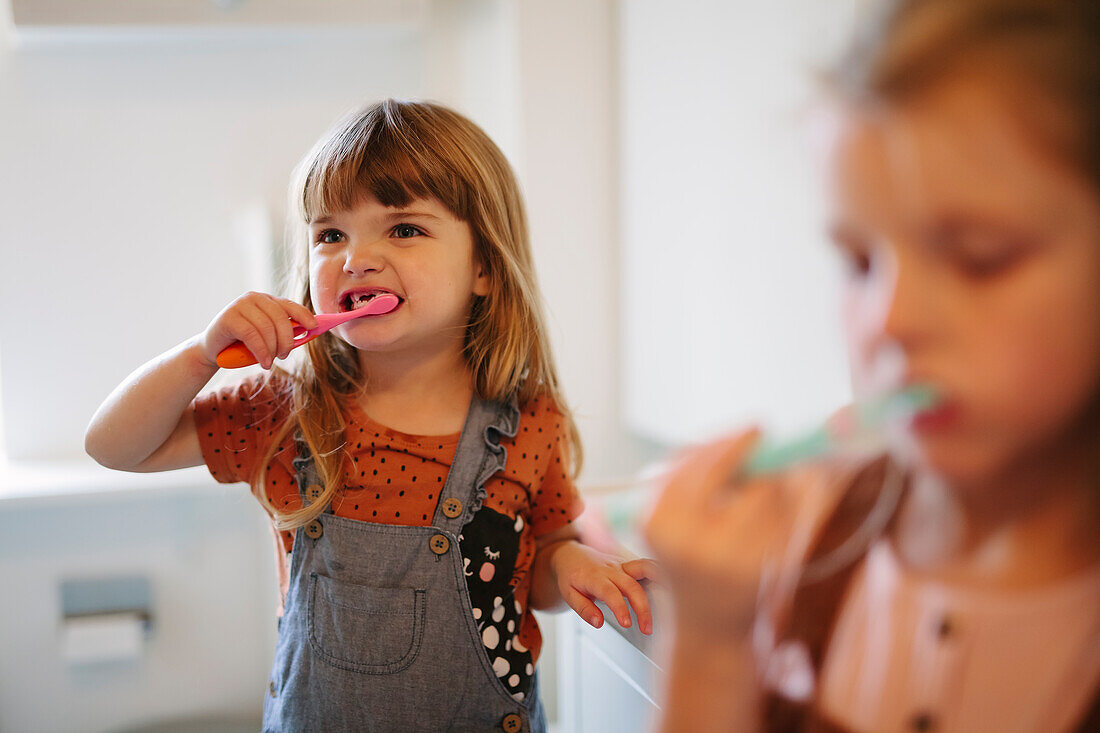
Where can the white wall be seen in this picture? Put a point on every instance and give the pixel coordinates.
(729, 302)
(569, 116)
(124, 166)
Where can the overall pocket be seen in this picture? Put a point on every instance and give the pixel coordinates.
(365, 629)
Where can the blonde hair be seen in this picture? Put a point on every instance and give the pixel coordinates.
(399, 151)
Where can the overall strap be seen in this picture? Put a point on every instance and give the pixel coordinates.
(478, 456)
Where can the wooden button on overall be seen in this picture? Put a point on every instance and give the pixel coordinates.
(314, 529)
(512, 723)
(314, 492)
(439, 544)
(271, 688)
(452, 507)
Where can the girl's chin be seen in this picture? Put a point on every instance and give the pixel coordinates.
(371, 346)
(364, 340)
(952, 464)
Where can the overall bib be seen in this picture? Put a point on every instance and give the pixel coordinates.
(378, 633)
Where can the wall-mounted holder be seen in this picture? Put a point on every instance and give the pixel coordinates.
(104, 619)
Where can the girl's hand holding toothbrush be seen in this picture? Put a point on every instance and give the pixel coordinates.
(731, 549)
(263, 323)
(734, 522)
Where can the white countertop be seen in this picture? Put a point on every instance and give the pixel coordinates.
(25, 483)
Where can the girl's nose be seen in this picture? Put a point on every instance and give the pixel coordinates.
(363, 257)
(905, 305)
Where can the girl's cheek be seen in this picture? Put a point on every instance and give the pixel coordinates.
(321, 284)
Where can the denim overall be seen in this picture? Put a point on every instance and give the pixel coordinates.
(378, 632)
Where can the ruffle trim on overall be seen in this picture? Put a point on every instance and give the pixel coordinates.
(506, 425)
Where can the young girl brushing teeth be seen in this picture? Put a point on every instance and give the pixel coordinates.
(418, 464)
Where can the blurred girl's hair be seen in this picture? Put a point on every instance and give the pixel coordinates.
(1047, 50)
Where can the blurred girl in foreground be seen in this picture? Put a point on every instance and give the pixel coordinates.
(953, 584)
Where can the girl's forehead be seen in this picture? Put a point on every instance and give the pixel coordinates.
(961, 145)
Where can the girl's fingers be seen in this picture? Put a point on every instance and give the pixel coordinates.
(636, 595)
(696, 491)
(261, 322)
(280, 321)
(643, 569)
(721, 464)
(608, 591)
(271, 319)
(584, 607)
(300, 313)
(257, 333)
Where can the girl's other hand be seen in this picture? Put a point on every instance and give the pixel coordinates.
(730, 550)
(585, 575)
(262, 322)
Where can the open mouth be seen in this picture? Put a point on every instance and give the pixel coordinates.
(359, 298)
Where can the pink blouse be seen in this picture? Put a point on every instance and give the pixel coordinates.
(908, 654)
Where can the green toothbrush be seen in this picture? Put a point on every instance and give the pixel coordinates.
(856, 428)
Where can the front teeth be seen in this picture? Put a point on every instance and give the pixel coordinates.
(351, 302)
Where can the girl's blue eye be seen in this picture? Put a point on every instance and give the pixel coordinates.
(329, 236)
(405, 231)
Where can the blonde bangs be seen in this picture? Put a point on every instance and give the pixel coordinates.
(376, 154)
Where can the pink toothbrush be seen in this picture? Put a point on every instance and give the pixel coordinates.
(237, 355)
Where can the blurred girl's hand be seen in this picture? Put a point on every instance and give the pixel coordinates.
(730, 550)
(262, 322)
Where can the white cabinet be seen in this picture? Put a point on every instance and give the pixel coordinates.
(607, 681)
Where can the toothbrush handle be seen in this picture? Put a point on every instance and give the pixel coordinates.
(237, 355)
(769, 457)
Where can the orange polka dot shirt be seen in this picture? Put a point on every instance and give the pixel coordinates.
(394, 477)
